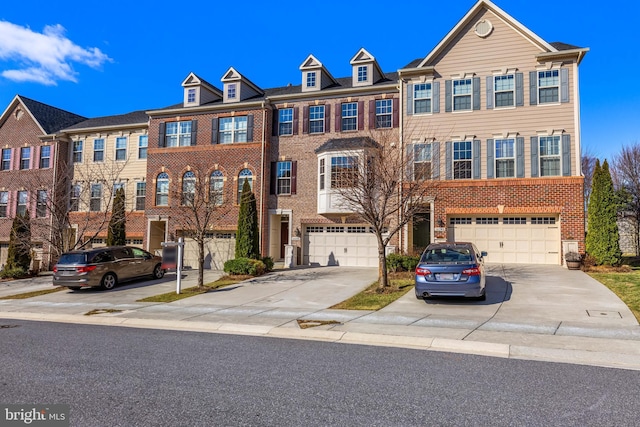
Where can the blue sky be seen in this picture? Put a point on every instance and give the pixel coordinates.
(115, 57)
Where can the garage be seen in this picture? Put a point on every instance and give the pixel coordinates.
(353, 246)
(218, 248)
(510, 239)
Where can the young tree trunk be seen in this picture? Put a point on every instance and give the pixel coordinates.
(201, 262)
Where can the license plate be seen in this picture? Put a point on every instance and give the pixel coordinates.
(446, 276)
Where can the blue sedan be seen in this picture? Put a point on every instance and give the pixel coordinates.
(451, 269)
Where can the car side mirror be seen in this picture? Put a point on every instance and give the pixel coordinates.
(483, 254)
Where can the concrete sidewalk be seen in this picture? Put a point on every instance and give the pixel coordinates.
(531, 312)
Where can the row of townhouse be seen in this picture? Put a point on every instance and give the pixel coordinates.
(491, 114)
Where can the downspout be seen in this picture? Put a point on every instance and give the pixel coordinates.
(54, 198)
(576, 118)
(402, 151)
(262, 166)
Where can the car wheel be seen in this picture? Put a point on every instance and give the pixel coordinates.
(419, 296)
(109, 281)
(158, 272)
(482, 297)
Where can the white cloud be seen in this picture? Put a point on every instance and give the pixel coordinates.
(43, 57)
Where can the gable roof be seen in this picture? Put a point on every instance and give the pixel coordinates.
(544, 46)
(194, 80)
(232, 75)
(49, 119)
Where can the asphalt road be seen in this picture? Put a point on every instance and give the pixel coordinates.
(113, 376)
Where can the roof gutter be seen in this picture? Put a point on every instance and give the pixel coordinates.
(578, 54)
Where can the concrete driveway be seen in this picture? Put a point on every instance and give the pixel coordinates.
(538, 298)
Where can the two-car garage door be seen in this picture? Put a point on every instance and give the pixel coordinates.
(354, 246)
(510, 239)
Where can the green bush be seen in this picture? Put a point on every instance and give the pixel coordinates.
(400, 262)
(409, 262)
(13, 273)
(245, 266)
(268, 263)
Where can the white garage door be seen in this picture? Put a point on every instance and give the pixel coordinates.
(522, 239)
(218, 248)
(354, 246)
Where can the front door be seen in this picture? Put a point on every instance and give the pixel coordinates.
(284, 237)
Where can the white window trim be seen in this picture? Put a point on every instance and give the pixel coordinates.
(495, 92)
(140, 146)
(453, 95)
(430, 112)
(311, 76)
(94, 150)
(453, 160)
(286, 121)
(390, 114)
(540, 156)
(495, 158)
(278, 178)
(116, 149)
(538, 87)
(324, 115)
(342, 117)
(233, 130)
(413, 163)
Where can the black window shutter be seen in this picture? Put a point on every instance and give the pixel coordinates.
(295, 120)
(372, 114)
(534, 156)
(274, 130)
(272, 183)
(250, 128)
(435, 102)
(161, 136)
(476, 159)
(360, 115)
(533, 88)
(435, 160)
(294, 173)
(447, 96)
(519, 90)
(305, 119)
(214, 130)
(490, 162)
(566, 155)
(194, 132)
(564, 85)
(448, 147)
(396, 113)
(489, 92)
(338, 117)
(410, 99)
(520, 157)
(327, 118)
(476, 93)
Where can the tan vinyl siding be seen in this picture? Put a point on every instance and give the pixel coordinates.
(503, 49)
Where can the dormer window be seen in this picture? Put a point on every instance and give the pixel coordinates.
(191, 96)
(311, 79)
(231, 91)
(363, 72)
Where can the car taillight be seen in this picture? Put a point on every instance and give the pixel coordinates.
(55, 268)
(475, 271)
(421, 271)
(85, 269)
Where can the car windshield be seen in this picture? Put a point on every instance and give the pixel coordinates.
(77, 258)
(446, 254)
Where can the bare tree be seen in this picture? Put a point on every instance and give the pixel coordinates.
(373, 188)
(71, 212)
(626, 177)
(200, 200)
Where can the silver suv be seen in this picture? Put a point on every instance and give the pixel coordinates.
(105, 267)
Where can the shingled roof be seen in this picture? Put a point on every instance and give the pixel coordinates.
(133, 118)
(340, 144)
(51, 119)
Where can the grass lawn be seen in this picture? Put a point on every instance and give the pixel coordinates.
(35, 293)
(625, 285)
(189, 292)
(372, 299)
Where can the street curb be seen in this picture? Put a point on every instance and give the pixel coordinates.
(518, 352)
